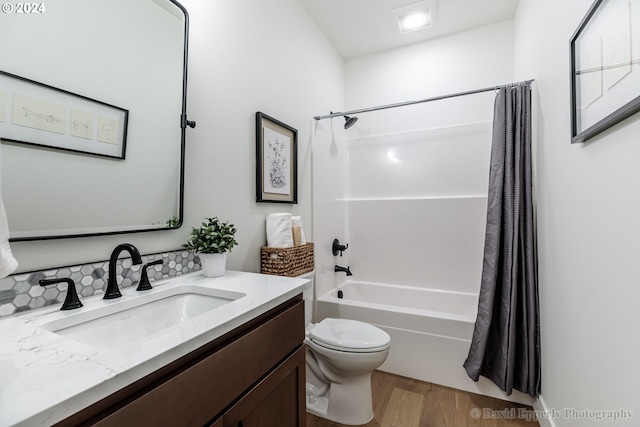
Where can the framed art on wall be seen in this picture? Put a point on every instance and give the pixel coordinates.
(605, 68)
(276, 161)
(41, 115)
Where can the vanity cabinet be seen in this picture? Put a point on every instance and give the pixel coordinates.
(251, 376)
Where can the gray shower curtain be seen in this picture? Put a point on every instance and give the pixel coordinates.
(506, 340)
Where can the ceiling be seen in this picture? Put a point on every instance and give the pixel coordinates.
(362, 27)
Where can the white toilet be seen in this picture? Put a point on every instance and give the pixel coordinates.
(341, 356)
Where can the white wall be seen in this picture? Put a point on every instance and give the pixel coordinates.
(470, 60)
(588, 211)
(250, 56)
(245, 56)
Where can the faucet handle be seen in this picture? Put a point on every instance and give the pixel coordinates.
(71, 301)
(144, 284)
(337, 247)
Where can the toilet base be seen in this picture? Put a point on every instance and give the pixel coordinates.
(318, 406)
(341, 403)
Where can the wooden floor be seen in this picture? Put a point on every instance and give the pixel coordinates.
(405, 402)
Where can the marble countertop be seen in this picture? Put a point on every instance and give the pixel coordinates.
(46, 377)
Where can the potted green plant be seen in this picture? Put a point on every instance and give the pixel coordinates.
(211, 241)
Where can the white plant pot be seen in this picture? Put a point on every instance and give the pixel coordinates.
(213, 265)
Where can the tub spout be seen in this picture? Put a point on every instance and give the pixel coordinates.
(347, 270)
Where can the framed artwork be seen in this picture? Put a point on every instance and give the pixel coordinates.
(605, 68)
(276, 161)
(40, 115)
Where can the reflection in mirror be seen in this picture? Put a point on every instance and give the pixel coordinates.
(129, 54)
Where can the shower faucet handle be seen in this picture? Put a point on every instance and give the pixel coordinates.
(337, 247)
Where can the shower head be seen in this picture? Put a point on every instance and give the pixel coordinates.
(349, 121)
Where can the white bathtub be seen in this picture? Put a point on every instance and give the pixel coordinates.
(430, 330)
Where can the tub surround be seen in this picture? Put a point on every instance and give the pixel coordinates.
(46, 377)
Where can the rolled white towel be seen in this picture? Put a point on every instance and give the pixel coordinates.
(279, 233)
(298, 232)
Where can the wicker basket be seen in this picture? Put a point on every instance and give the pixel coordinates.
(287, 261)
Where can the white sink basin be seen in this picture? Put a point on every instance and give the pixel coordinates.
(130, 320)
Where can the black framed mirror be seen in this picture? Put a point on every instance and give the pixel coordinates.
(131, 54)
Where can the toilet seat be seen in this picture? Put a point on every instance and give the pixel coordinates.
(349, 336)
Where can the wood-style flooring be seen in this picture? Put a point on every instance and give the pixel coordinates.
(405, 402)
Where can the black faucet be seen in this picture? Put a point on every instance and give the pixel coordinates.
(71, 301)
(338, 269)
(112, 284)
(144, 284)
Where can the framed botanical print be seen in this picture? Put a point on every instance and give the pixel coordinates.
(276, 161)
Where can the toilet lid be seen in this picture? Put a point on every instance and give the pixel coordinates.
(349, 335)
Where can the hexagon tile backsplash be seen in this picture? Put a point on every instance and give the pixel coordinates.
(22, 292)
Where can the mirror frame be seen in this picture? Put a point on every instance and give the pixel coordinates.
(184, 122)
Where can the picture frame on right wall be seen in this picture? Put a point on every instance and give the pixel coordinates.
(605, 68)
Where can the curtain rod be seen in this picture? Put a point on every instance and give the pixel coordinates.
(402, 104)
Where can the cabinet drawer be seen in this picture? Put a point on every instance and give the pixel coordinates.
(197, 394)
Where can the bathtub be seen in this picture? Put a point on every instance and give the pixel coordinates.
(430, 329)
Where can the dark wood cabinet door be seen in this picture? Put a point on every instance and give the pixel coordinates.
(277, 401)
